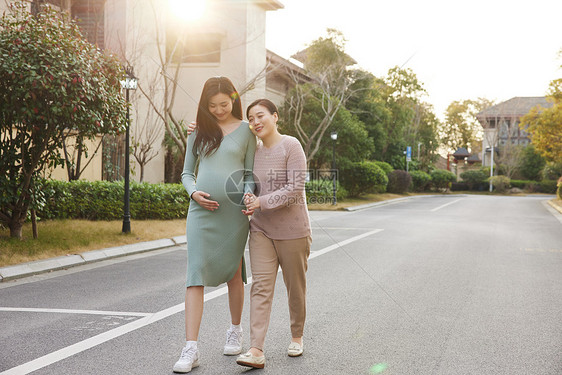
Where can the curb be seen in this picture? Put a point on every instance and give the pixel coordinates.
(63, 262)
(554, 205)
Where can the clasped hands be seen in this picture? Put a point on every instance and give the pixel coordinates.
(252, 204)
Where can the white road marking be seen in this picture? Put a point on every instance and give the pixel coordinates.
(445, 205)
(69, 311)
(91, 342)
(338, 228)
(314, 254)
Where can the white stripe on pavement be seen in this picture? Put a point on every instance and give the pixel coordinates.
(81, 346)
(69, 311)
(445, 205)
(337, 245)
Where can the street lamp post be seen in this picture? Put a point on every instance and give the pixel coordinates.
(334, 137)
(129, 83)
(491, 168)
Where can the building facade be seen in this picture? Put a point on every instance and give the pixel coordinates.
(172, 56)
(501, 124)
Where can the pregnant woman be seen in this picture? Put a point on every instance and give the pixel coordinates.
(217, 229)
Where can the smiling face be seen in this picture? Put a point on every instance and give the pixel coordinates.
(220, 106)
(263, 123)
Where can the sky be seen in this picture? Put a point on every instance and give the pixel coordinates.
(494, 49)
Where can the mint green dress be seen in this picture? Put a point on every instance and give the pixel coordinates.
(216, 239)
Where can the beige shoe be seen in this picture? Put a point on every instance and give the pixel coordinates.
(295, 349)
(250, 360)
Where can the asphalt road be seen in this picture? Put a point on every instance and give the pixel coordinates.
(434, 285)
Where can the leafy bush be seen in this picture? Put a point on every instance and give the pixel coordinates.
(387, 168)
(559, 192)
(322, 191)
(500, 183)
(544, 186)
(103, 200)
(552, 171)
(547, 186)
(475, 179)
(521, 184)
(441, 178)
(363, 177)
(398, 182)
(420, 180)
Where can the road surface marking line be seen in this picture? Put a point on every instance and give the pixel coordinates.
(83, 345)
(338, 228)
(69, 311)
(445, 205)
(337, 245)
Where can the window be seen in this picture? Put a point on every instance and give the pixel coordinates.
(194, 48)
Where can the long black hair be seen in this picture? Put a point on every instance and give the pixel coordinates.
(209, 134)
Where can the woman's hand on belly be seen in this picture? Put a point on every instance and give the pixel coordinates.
(202, 199)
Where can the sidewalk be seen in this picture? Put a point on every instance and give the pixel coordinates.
(53, 264)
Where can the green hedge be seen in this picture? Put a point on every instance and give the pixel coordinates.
(475, 179)
(548, 186)
(103, 200)
(420, 180)
(559, 191)
(363, 177)
(322, 191)
(442, 179)
(544, 186)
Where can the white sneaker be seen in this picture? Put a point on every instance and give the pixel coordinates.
(233, 344)
(189, 359)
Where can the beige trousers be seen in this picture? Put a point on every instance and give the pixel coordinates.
(266, 255)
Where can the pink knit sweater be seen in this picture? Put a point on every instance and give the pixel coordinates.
(280, 173)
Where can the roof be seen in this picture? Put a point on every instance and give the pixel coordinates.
(270, 4)
(461, 153)
(279, 65)
(515, 107)
(473, 158)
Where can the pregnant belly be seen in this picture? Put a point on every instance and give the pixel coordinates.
(223, 190)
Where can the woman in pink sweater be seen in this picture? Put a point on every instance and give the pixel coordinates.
(279, 230)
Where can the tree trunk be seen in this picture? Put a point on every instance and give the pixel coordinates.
(34, 223)
(16, 229)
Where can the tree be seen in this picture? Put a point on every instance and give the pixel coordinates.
(411, 121)
(509, 158)
(532, 163)
(461, 128)
(143, 138)
(353, 144)
(326, 62)
(53, 83)
(545, 124)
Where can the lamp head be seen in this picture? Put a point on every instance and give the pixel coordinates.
(130, 82)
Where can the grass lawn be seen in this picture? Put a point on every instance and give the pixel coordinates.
(62, 237)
